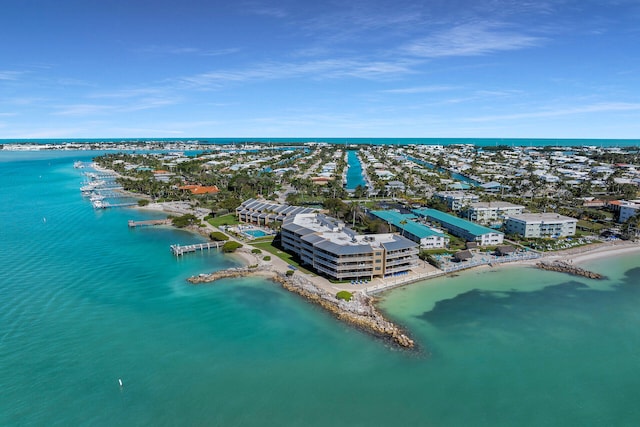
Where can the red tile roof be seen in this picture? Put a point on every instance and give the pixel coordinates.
(200, 189)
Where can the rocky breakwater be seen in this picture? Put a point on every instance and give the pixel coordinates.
(225, 274)
(359, 312)
(565, 267)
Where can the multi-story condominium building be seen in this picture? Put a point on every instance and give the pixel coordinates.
(490, 212)
(625, 209)
(338, 252)
(426, 237)
(464, 229)
(628, 210)
(456, 200)
(261, 212)
(541, 225)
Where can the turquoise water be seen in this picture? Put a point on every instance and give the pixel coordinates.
(86, 301)
(454, 175)
(255, 233)
(482, 142)
(354, 173)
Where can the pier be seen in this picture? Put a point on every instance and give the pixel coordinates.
(148, 223)
(99, 204)
(181, 250)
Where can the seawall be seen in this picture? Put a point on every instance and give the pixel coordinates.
(360, 311)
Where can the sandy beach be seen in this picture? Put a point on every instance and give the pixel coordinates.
(596, 251)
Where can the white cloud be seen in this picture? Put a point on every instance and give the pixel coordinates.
(100, 109)
(421, 89)
(82, 110)
(186, 50)
(586, 109)
(132, 93)
(10, 75)
(471, 39)
(321, 69)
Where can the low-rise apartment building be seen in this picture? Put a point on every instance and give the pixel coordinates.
(426, 237)
(491, 212)
(541, 225)
(262, 212)
(456, 200)
(464, 229)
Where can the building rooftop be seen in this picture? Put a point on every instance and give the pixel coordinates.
(329, 234)
(542, 217)
(470, 227)
(495, 204)
(454, 194)
(421, 231)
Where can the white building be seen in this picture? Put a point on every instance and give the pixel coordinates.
(455, 200)
(491, 212)
(541, 225)
(464, 229)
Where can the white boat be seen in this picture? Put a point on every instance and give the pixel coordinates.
(93, 185)
(78, 165)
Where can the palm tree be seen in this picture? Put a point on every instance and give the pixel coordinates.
(403, 222)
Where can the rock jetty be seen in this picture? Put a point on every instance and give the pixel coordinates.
(225, 274)
(359, 312)
(564, 267)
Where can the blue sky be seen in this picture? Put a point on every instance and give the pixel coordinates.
(440, 68)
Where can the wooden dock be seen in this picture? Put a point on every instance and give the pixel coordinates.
(148, 223)
(181, 250)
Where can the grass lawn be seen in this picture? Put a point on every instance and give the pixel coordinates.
(229, 219)
(267, 247)
(592, 226)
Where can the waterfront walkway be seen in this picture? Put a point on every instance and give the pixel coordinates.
(380, 285)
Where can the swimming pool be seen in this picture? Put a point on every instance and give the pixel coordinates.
(255, 233)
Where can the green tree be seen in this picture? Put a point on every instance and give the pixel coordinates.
(184, 220)
(231, 246)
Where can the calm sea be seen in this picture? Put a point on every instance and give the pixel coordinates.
(84, 302)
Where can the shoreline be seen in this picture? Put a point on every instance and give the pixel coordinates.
(362, 311)
(603, 250)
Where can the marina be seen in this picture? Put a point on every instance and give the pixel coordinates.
(100, 186)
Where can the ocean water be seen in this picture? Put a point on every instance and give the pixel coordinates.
(84, 301)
